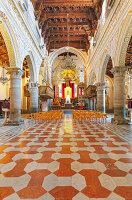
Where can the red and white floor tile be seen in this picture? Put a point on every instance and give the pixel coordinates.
(66, 160)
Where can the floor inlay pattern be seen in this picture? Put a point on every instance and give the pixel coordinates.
(9, 132)
(64, 160)
(122, 132)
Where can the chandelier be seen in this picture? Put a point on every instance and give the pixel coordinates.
(3, 77)
(68, 62)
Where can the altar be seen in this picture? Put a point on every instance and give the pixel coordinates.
(68, 105)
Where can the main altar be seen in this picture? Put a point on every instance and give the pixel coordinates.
(66, 78)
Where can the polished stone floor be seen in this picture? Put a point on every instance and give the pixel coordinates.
(66, 160)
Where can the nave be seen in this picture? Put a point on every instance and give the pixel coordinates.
(66, 159)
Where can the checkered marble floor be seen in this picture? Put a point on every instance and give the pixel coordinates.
(64, 160)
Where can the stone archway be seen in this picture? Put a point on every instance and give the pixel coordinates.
(123, 41)
(28, 80)
(103, 100)
(103, 70)
(13, 69)
(31, 65)
(79, 53)
(10, 40)
(119, 71)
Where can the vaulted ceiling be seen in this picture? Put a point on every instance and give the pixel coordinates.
(67, 20)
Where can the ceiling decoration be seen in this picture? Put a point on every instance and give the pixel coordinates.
(4, 59)
(73, 19)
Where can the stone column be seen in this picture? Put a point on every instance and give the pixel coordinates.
(100, 96)
(15, 96)
(45, 105)
(33, 88)
(119, 95)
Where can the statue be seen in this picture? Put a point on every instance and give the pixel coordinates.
(68, 100)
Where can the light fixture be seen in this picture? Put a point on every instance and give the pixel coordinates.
(3, 77)
(67, 62)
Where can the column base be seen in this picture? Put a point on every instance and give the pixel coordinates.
(119, 121)
(14, 123)
(101, 110)
(33, 110)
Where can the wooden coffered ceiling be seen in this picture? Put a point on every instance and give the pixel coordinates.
(57, 18)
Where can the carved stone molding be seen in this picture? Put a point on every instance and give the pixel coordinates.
(15, 72)
(120, 70)
(33, 84)
(3, 16)
(100, 85)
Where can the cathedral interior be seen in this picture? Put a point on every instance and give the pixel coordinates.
(65, 99)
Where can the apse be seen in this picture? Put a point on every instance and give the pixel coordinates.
(67, 74)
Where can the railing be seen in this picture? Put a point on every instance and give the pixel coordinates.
(90, 91)
(46, 92)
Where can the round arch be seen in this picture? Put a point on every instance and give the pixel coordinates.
(10, 40)
(104, 67)
(31, 62)
(123, 41)
(64, 49)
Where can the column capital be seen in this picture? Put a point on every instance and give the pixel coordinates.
(33, 85)
(100, 84)
(15, 72)
(119, 69)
